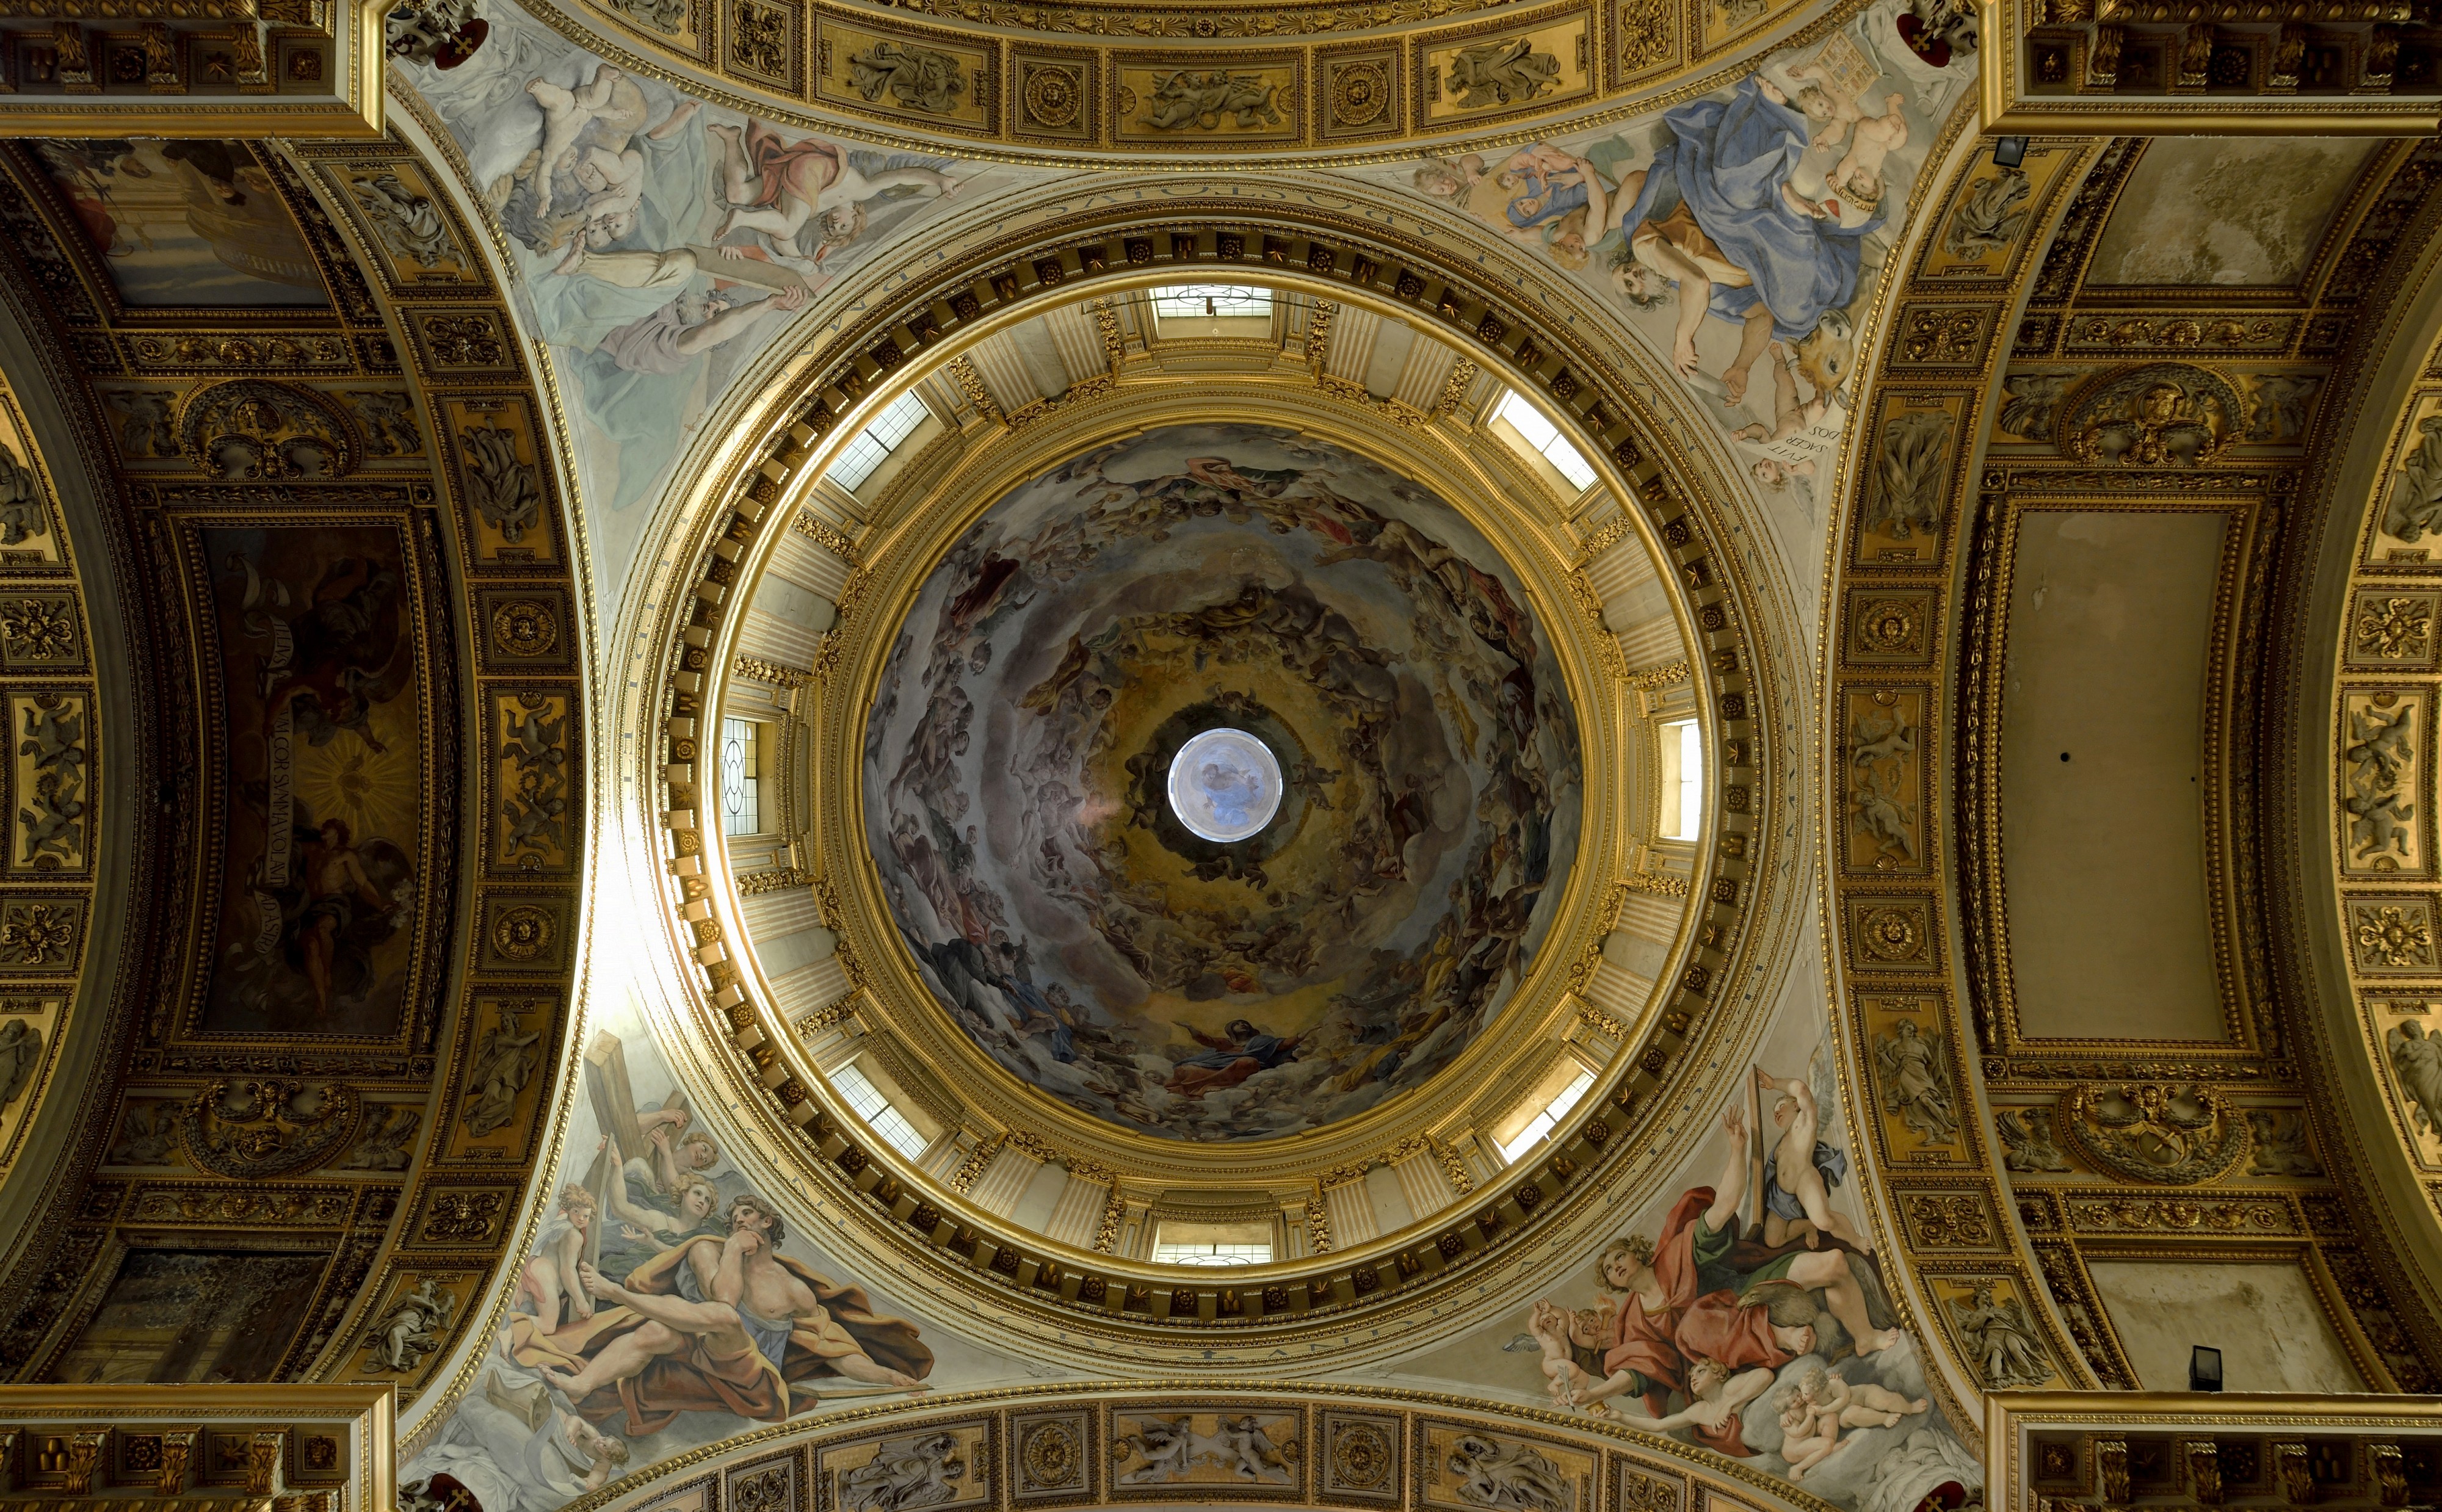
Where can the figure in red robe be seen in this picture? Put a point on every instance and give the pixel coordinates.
(1698, 1293)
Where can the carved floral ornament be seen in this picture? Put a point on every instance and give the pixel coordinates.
(1352, 268)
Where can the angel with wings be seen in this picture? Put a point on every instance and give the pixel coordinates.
(1915, 1081)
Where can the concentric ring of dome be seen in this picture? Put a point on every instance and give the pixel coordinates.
(1144, 595)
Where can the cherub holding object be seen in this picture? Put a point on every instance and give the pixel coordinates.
(1573, 1350)
(1871, 138)
(1715, 1397)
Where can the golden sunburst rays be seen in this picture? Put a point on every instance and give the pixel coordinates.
(375, 792)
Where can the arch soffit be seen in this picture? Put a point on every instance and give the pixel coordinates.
(1997, 1183)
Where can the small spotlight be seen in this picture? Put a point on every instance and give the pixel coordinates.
(2008, 151)
(2204, 1369)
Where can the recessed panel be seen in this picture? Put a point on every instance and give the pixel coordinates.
(2103, 783)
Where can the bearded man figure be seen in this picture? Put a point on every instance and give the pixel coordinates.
(721, 1324)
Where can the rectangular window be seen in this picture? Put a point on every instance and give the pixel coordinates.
(1212, 1254)
(1543, 1123)
(1212, 302)
(741, 807)
(1189, 1243)
(875, 1111)
(1683, 780)
(1546, 439)
(876, 441)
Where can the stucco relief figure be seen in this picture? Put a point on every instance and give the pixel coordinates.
(1990, 216)
(2027, 1138)
(2418, 1058)
(417, 1324)
(1189, 99)
(2382, 749)
(1915, 1081)
(2000, 1340)
(1506, 72)
(1168, 1445)
(410, 226)
(2416, 505)
(1912, 464)
(723, 1324)
(920, 78)
(2030, 402)
(23, 513)
(21, 1056)
(1504, 1476)
(905, 1474)
(503, 1062)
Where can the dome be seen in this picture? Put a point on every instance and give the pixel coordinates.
(1342, 629)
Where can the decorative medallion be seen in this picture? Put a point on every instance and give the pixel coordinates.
(1053, 94)
(524, 626)
(1362, 1456)
(1051, 1455)
(1360, 92)
(1894, 935)
(521, 933)
(2175, 1134)
(248, 1130)
(1892, 627)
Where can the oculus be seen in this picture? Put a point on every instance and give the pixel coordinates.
(1224, 785)
(1221, 783)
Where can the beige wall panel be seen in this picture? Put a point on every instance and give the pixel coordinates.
(2110, 625)
(2264, 1316)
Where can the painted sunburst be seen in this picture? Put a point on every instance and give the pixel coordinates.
(371, 785)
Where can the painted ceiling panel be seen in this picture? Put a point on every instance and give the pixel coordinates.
(2101, 761)
(2211, 211)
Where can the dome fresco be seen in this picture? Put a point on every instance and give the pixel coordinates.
(1019, 749)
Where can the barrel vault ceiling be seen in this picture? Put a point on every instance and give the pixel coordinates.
(596, 593)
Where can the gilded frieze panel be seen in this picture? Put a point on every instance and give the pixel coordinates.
(930, 77)
(54, 818)
(2386, 780)
(1983, 236)
(1256, 99)
(1888, 788)
(1914, 451)
(1490, 72)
